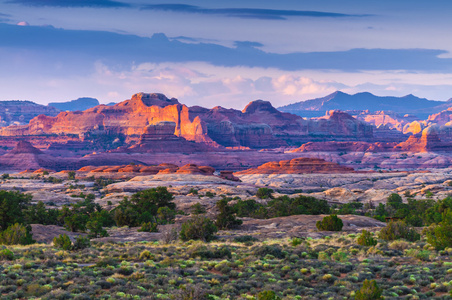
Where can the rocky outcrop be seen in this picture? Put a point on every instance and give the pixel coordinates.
(23, 147)
(339, 123)
(429, 141)
(147, 118)
(298, 166)
(344, 147)
(16, 112)
(160, 137)
(164, 168)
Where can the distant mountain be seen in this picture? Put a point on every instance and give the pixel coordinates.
(366, 101)
(17, 112)
(79, 104)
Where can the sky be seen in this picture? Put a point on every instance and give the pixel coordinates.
(225, 53)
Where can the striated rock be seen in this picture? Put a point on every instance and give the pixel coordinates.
(154, 123)
(298, 166)
(429, 141)
(339, 123)
(414, 127)
(16, 112)
(343, 147)
(229, 175)
(25, 147)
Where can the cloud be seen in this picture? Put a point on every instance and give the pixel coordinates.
(246, 13)
(72, 3)
(247, 44)
(122, 49)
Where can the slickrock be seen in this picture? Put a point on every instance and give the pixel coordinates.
(298, 166)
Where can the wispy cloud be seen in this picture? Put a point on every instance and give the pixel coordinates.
(247, 13)
(125, 49)
(72, 3)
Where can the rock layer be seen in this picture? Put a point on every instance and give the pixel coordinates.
(298, 166)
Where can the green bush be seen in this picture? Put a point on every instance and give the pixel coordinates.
(6, 254)
(148, 227)
(62, 241)
(296, 241)
(81, 243)
(366, 239)
(440, 236)
(198, 228)
(267, 295)
(330, 223)
(226, 218)
(369, 291)
(16, 234)
(245, 239)
(71, 175)
(197, 209)
(95, 229)
(264, 193)
(398, 230)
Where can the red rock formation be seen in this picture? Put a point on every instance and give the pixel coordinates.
(429, 141)
(298, 166)
(25, 147)
(344, 147)
(139, 121)
(229, 175)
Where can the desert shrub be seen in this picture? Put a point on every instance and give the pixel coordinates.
(245, 239)
(210, 253)
(189, 292)
(169, 235)
(267, 295)
(264, 193)
(274, 250)
(296, 241)
(349, 208)
(197, 209)
(81, 243)
(210, 194)
(440, 236)
(6, 254)
(95, 229)
(148, 227)
(330, 223)
(62, 241)
(16, 234)
(198, 228)
(226, 218)
(71, 175)
(166, 215)
(366, 239)
(193, 191)
(398, 230)
(369, 291)
(250, 208)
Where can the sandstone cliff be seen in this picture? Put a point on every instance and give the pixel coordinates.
(298, 166)
(259, 125)
(21, 112)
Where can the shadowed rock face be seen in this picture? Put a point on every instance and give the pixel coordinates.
(21, 112)
(258, 126)
(298, 166)
(24, 147)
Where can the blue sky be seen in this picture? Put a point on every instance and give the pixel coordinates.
(223, 52)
